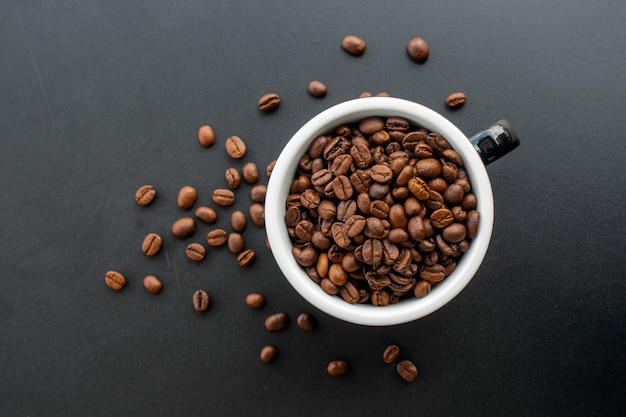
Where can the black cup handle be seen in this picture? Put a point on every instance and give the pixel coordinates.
(495, 141)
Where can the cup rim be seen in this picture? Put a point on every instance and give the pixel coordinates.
(278, 190)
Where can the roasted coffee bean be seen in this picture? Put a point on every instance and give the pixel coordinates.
(151, 244)
(337, 274)
(349, 292)
(469, 201)
(453, 194)
(145, 195)
(306, 322)
(223, 197)
(306, 257)
(233, 178)
(378, 191)
(217, 237)
(258, 192)
(353, 45)
(337, 367)
(380, 297)
(361, 155)
(316, 148)
(270, 168)
(380, 138)
(310, 199)
(276, 322)
(235, 243)
(418, 50)
(391, 353)
(201, 301)
(456, 99)
(361, 181)
(365, 94)
(354, 225)
(398, 235)
(422, 288)
(246, 257)
(268, 354)
(238, 221)
(375, 228)
(255, 300)
(381, 173)
(454, 233)
(250, 172)
(187, 197)
(397, 123)
(322, 265)
(335, 147)
(441, 218)
(407, 370)
(428, 168)
(183, 227)
(115, 280)
(269, 102)
(471, 224)
(397, 216)
(235, 147)
(419, 188)
(317, 89)
(257, 214)
(206, 136)
(432, 273)
(445, 247)
(195, 252)
(206, 214)
(341, 165)
(342, 187)
(437, 184)
(152, 284)
(372, 252)
(328, 286)
(350, 263)
(371, 125)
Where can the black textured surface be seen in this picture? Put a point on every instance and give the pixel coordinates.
(100, 97)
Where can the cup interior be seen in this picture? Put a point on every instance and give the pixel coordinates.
(284, 171)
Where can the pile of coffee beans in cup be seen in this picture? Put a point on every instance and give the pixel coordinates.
(380, 210)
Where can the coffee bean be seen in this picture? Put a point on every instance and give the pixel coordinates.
(328, 286)
(206, 214)
(270, 168)
(235, 147)
(235, 243)
(246, 257)
(238, 221)
(187, 197)
(257, 214)
(145, 195)
(276, 322)
(407, 370)
(206, 136)
(349, 292)
(201, 301)
(255, 300)
(337, 275)
(418, 50)
(337, 367)
(151, 244)
(250, 172)
(233, 178)
(115, 280)
(454, 233)
(258, 192)
(371, 125)
(269, 102)
(441, 218)
(152, 284)
(365, 94)
(471, 224)
(456, 100)
(217, 237)
(183, 227)
(223, 197)
(306, 257)
(195, 252)
(353, 45)
(268, 354)
(317, 89)
(391, 353)
(306, 322)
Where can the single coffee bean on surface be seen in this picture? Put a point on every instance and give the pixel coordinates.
(407, 370)
(276, 322)
(337, 367)
(235, 243)
(257, 214)
(269, 102)
(258, 192)
(187, 197)
(223, 197)
(353, 45)
(418, 50)
(235, 147)
(246, 257)
(145, 195)
(206, 214)
(201, 301)
(233, 178)
(317, 89)
(255, 300)
(151, 244)
(391, 353)
(238, 221)
(206, 136)
(456, 99)
(152, 284)
(195, 252)
(250, 172)
(184, 227)
(270, 168)
(268, 354)
(217, 237)
(306, 322)
(115, 280)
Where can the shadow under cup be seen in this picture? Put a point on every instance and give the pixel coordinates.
(284, 171)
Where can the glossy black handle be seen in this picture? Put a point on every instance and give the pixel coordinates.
(495, 141)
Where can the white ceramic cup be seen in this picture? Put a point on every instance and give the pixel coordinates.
(284, 171)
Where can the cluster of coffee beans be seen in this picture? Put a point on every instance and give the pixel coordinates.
(380, 210)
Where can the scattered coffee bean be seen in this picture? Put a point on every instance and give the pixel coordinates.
(187, 197)
(407, 370)
(201, 301)
(195, 252)
(206, 214)
(217, 237)
(337, 367)
(258, 192)
(152, 284)
(306, 322)
(235, 243)
(457, 99)
(115, 280)
(268, 354)
(257, 214)
(206, 136)
(145, 195)
(383, 94)
(353, 45)
(391, 353)
(270, 168)
(276, 322)
(269, 102)
(238, 221)
(250, 172)
(151, 244)
(223, 197)
(255, 300)
(365, 94)
(235, 147)
(233, 178)
(183, 227)
(418, 50)
(246, 257)
(317, 89)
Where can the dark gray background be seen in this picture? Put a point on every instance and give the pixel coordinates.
(100, 97)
